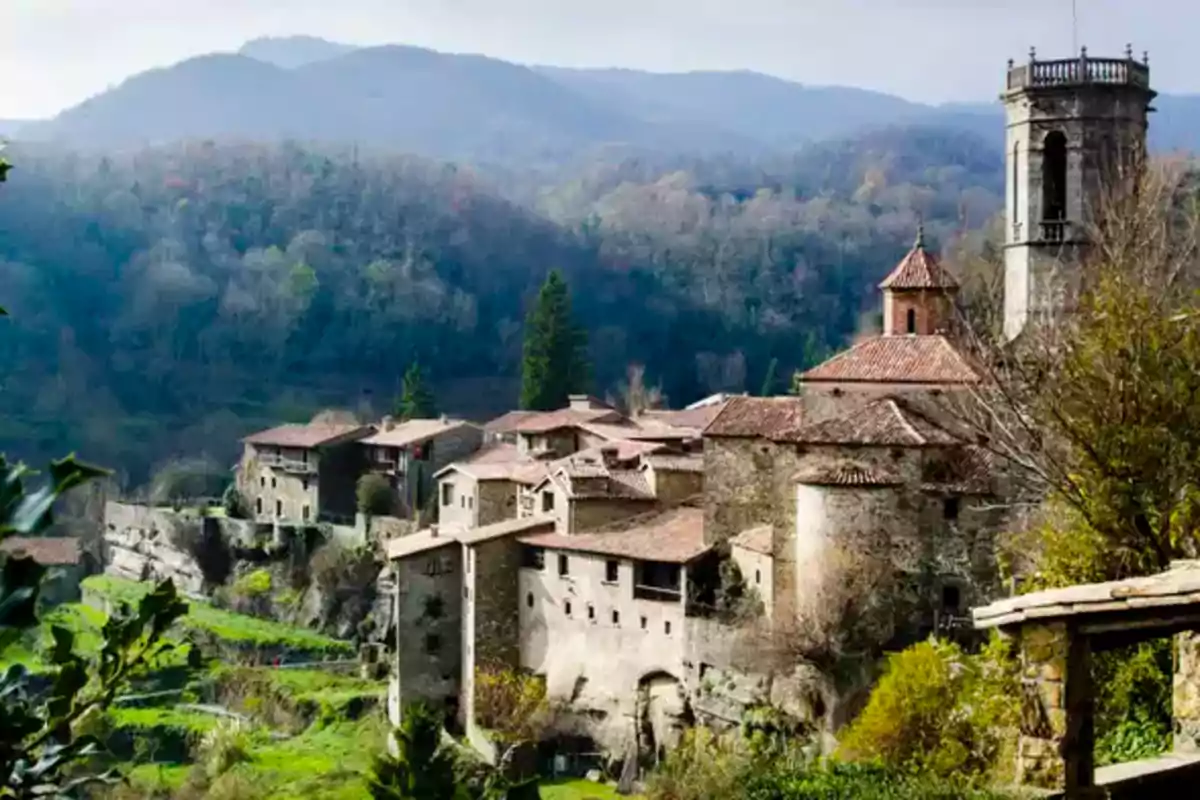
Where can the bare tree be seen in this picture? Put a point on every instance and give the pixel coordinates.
(634, 396)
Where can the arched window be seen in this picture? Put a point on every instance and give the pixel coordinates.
(912, 320)
(1054, 177)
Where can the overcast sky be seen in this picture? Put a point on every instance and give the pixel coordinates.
(55, 53)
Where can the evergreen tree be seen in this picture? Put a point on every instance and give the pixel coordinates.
(554, 364)
(416, 400)
(422, 769)
(771, 379)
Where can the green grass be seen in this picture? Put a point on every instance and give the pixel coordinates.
(578, 789)
(226, 625)
(159, 776)
(83, 621)
(163, 717)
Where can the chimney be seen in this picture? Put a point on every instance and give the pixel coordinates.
(443, 419)
(433, 531)
(389, 423)
(579, 402)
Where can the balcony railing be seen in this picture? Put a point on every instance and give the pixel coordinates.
(1079, 71)
(657, 593)
(1055, 230)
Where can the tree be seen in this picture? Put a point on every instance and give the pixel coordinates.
(634, 396)
(1093, 415)
(42, 751)
(416, 400)
(554, 364)
(422, 769)
(770, 380)
(375, 496)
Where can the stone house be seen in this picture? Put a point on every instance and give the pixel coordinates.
(603, 484)
(410, 453)
(483, 489)
(301, 473)
(602, 618)
(66, 564)
(557, 433)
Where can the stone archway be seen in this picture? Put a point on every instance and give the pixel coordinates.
(662, 714)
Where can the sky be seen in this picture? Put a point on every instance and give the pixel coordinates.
(56, 53)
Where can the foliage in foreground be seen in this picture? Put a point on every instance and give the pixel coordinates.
(941, 712)
(43, 751)
(707, 766)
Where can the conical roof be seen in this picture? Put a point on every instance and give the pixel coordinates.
(919, 270)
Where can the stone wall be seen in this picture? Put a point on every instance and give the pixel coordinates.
(454, 489)
(596, 643)
(496, 501)
(140, 544)
(758, 571)
(596, 513)
(428, 622)
(1185, 697)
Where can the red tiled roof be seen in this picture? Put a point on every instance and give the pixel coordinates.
(412, 431)
(547, 421)
(887, 422)
(639, 432)
(757, 416)
(313, 434)
(698, 417)
(757, 540)
(508, 422)
(919, 269)
(494, 462)
(676, 536)
(674, 462)
(896, 359)
(45, 550)
(846, 475)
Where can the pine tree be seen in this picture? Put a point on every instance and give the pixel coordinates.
(771, 379)
(554, 364)
(416, 401)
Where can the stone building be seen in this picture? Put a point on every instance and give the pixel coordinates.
(300, 473)
(66, 564)
(410, 453)
(1074, 128)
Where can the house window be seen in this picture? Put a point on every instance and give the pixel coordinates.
(1054, 176)
(645, 622)
(471, 503)
(564, 566)
(433, 643)
(447, 494)
(262, 481)
(304, 483)
(533, 558)
(529, 599)
(567, 608)
(547, 502)
(912, 320)
(667, 627)
(272, 481)
(258, 506)
(616, 617)
(950, 508)
(611, 571)
(462, 502)
(757, 576)
(279, 508)
(591, 611)
(304, 513)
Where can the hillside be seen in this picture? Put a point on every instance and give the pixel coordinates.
(168, 301)
(485, 110)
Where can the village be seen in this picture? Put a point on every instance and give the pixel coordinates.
(664, 568)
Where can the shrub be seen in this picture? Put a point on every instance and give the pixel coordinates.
(511, 704)
(251, 593)
(374, 495)
(224, 747)
(704, 766)
(1133, 701)
(234, 503)
(346, 580)
(939, 711)
(183, 480)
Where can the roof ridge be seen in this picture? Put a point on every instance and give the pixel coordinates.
(904, 421)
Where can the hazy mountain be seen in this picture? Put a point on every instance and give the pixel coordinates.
(290, 52)
(479, 109)
(10, 127)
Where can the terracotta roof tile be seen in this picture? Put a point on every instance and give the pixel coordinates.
(671, 462)
(544, 422)
(756, 540)
(919, 269)
(45, 550)
(887, 422)
(757, 416)
(896, 359)
(676, 536)
(639, 432)
(313, 434)
(413, 431)
(508, 422)
(846, 475)
(698, 417)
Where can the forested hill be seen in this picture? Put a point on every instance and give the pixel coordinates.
(167, 301)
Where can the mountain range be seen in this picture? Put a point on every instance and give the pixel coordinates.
(481, 109)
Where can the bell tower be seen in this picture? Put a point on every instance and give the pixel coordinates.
(1074, 127)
